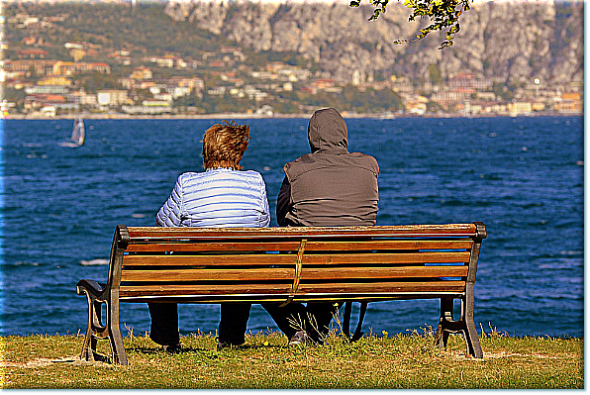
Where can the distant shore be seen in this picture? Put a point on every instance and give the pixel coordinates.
(119, 116)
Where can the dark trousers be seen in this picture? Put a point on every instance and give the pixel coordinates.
(315, 319)
(164, 323)
(234, 319)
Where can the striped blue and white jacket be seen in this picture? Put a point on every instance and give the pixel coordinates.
(216, 198)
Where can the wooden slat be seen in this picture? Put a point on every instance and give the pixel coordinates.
(282, 259)
(166, 246)
(254, 289)
(417, 286)
(253, 274)
(280, 298)
(364, 273)
(195, 246)
(383, 245)
(209, 260)
(467, 230)
(283, 274)
(232, 289)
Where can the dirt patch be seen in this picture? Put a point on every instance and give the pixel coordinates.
(504, 354)
(41, 362)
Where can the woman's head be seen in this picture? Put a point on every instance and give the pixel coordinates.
(224, 145)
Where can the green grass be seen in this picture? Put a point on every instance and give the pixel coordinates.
(400, 361)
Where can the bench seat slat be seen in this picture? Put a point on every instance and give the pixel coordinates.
(253, 274)
(287, 274)
(130, 291)
(467, 230)
(411, 286)
(369, 245)
(281, 259)
(280, 298)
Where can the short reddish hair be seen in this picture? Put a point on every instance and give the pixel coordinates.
(224, 145)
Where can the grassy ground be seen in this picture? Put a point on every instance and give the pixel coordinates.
(400, 361)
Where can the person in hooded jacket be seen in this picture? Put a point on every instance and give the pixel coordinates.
(328, 187)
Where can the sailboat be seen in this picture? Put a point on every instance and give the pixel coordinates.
(78, 135)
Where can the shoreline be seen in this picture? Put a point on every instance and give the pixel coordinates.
(118, 116)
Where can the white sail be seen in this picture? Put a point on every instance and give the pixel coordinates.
(78, 134)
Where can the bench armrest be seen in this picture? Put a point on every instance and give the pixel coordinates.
(91, 287)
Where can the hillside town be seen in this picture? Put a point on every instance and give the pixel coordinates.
(41, 78)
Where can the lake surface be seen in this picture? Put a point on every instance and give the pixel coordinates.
(522, 177)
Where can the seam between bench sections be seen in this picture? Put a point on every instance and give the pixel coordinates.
(297, 277)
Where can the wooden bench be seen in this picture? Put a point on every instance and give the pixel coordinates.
(280, 265)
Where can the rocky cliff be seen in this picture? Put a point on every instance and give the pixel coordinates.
(508, 41)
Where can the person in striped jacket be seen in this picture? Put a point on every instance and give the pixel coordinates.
(223, 195)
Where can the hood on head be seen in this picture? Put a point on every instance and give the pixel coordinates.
(327, 131)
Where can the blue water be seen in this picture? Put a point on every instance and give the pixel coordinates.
(523, 177)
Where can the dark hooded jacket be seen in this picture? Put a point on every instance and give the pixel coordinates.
(330, 186)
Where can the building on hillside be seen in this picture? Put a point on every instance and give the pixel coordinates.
(520, 108)
(64, 68)
(569, 103)
(401, 84)
(55, 80)
(189, 82)
(46, 89)
(486, 96)
(31, 40)
(39, 101)
(264, 75)
(178, 91)
(102, 68)
(217, 91)
(69, 45)
(83, 98)
(147, 109)
(39, 67)
(163, 61)
(468, 82)
(141, 73)
(33, 53)
(447, 96)
(73, 68)
(127, 83)
(112, 97)
(77, 54)
(323, 83)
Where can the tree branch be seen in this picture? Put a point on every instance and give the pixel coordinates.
(443, 15)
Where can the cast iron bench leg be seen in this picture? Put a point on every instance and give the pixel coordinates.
(114, 334)
(446, 317)
(96, 330)
(473, 346)
(465, 326)
(86, 354)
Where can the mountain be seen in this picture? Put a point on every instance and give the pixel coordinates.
(507, 41)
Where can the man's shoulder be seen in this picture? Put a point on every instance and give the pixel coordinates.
(310, 161)
(307, 158)
(367, 159)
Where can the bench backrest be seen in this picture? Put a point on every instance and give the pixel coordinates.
(211, 265)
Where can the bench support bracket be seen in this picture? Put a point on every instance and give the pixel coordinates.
(109, 295)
